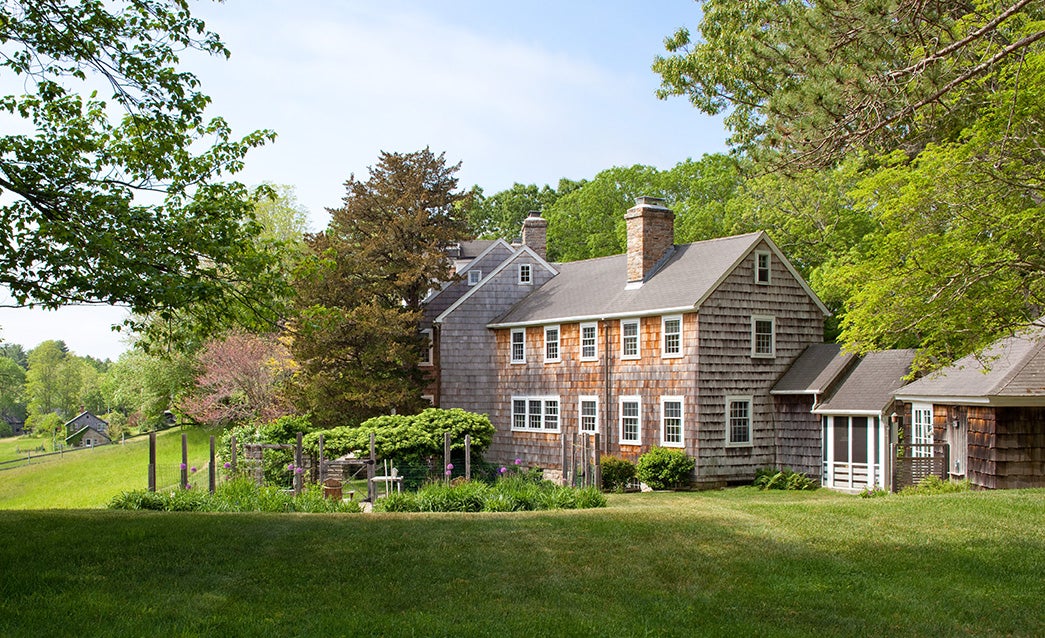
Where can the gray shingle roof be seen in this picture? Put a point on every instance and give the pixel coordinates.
(814, 370)
(1010, 368)
(595, 288)
(869, 387)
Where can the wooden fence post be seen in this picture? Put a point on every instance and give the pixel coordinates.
(585, 465)
(598, 463)
(232, 454)
(446, 453)
(152, 461)
(322, 470)
(371, 469)
(184, 461)
(468, 457)
(299, 476)
(212, 483)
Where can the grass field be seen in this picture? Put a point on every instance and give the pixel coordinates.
(735, 562)
(90, 478)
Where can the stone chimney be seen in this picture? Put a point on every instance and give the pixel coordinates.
(651, 234)
(535, 233)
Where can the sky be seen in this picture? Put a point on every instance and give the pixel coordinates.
(525, 92)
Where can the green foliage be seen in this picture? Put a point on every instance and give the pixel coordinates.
(875, 492)
(509, 494)
(145, 386)
(616, 473)
(76, 229)
(237, 495)
(786, 479)
(408, 439)
(501, 215)
(12, 390)
(664, 468)
(933, 484)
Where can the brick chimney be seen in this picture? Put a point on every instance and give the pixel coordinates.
(651, 234)
(535, 233)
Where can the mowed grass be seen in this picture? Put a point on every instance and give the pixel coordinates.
(90, 478)
(736, 562)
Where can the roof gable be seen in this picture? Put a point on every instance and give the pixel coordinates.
(869, 386)
(516, 256)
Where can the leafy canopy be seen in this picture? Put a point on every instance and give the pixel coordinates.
(108, 173)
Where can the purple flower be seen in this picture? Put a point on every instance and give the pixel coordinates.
(299, 470)
(448, 472)
(502, 470)
(193, 469)
(518, 461)
(182, 466)
(290, 467)
(449, 466)
(228, 465)
(188, 486)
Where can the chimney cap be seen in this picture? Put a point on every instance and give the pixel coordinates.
(534, 213)
(654, 202)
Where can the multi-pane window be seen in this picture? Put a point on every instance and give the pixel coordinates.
(763, 337)
(763, 267)
(671, 336)
(630, 421)
(589, 341)
(519, 345)
(551, 344)
(589, 417)
(671, 421)
(535, 413)
(525, 274)
(922, 429)
(426, 348)
(738, 420)
(629, 339)
(474, 277)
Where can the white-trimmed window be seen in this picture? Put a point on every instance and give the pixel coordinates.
(535, 414)
(474, 277)
(671, 421)
(763, 267)
(763, 336)
(629, 339)
(630, 421)
(589, 415)
(671, 336)
(922, 429)
(426, 348)
(589, 341)
(738, 421)
(519, 345)
(525, 274)
(551, 344)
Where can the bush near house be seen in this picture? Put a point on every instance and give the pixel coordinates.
(508, 494)
(616, 473)
(236, 495)
(769, 478)
(663, 468)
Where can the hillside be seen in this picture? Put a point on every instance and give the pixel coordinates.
(89, 478)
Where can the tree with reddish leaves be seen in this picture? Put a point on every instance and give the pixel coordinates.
(240, 380)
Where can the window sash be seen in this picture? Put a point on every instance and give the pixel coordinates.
(763, 337)
(738, 421)
(629, 339)
(589, 341)
(589, 415)
(763, 268)
(551, 343)
(630, 421)
(671, 421)
(535, 414)
(519, 346)
(671, 329)
(525, 274)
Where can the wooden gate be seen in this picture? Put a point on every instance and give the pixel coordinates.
(913, 462)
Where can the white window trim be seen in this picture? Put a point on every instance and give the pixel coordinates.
(769, 267)
(427, 334)
(772, 337)
(638, 339)
(474, 277)
(558, 344)
(730, 400)
(918, 437)
(511, 345)
(544, 400)
(664, 337)
(580, 333)
(580, 413)
(620, 419)
(528, 268)
(682, 421)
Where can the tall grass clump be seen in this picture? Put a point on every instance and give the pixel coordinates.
(236, 495)
(508, 494)
(933, 484)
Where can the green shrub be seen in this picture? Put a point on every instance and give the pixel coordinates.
(663, 468)
(238, 495)
(508, 494)
(769, 478)
(590, 498)
(616, 473)
(875, 492)
(397, 502)
(933, 484)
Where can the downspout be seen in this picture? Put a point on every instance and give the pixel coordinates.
(606, 385)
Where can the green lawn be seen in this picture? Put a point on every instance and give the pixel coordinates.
(735, 562)
(90, 478)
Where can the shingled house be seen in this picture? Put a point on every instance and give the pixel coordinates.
(86, 430)
(666, 345)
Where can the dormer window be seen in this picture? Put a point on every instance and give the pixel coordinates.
(525, 274)
(474, 277)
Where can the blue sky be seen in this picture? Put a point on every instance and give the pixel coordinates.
(516, 91)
